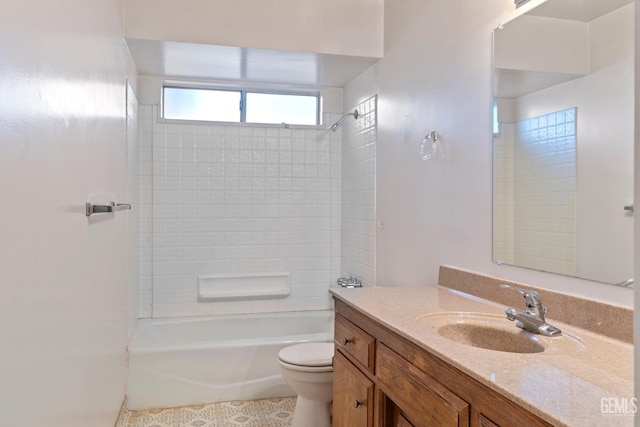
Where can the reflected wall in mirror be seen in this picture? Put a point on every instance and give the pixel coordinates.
(563, 139)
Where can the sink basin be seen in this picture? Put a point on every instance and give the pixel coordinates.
(494, 332)
(486, 331)
(492, 338)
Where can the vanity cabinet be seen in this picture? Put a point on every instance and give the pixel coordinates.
(382, 380)
(352, 388)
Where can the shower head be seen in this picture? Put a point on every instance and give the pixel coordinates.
(334, 127)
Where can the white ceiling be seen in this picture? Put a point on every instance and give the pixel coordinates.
(202, 61)
(577, 10)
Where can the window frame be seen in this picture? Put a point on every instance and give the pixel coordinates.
(243, 90)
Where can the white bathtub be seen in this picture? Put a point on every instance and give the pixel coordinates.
(196, 360)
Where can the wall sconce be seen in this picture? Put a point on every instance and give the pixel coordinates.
(429, 146)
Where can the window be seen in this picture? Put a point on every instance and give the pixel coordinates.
(182, 103)
(201, 104)
(279, 108)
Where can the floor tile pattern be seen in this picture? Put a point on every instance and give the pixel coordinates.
(252, 413)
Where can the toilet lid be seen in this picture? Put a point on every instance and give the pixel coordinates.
(308, 354)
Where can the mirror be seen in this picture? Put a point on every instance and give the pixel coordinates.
(563, 139)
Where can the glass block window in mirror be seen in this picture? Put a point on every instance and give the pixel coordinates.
(496, 123)
(535, 189)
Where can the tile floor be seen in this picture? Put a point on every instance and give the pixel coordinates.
(252, 413)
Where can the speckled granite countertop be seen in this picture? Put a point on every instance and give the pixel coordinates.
(577, 381)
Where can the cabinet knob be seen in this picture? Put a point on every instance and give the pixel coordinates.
(357, 403)
(346, 341)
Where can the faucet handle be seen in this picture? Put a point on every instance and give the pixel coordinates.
(531, 298)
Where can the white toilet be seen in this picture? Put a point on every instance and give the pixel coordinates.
(308, 369)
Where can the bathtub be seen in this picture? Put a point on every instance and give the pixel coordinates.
(196, 360)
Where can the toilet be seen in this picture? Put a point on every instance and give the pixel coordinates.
(308, 369)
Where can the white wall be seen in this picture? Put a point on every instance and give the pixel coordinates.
(341, 27)
(436, 75)
(62, 126)
(132, 252)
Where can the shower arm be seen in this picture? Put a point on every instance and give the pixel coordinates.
(335, 126)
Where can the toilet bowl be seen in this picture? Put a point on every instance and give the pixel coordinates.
(308, 369)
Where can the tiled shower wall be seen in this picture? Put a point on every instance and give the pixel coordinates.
(535, 222)
(358, 193)
(224, 199)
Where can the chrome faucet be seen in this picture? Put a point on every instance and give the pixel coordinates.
(532, 318)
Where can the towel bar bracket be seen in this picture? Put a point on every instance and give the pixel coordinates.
(111, 207)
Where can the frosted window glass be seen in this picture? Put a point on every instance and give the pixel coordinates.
(278, 108)
(201, 104)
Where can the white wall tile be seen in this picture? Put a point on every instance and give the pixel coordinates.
(358, 187)
(233, 200)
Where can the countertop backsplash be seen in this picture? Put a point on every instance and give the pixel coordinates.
(601, 318)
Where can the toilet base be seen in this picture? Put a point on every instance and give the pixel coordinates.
(311, 413)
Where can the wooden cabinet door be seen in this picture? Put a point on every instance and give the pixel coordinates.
(352, 395)
(422, 400)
